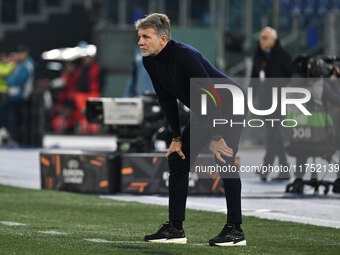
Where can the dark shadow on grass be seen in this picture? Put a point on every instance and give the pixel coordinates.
(145, 250)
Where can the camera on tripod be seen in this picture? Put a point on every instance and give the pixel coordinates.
(317, 136)
(134, 121)
(315, 67)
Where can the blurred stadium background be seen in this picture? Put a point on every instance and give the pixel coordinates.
(226, 32)
(54, 135)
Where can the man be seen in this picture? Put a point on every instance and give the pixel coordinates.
(170, 65)
(20, 82)
(20, 88)
(325, 100)
(271, 60)
(87, 82)
(6, 68)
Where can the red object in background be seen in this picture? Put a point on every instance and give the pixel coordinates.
(70, 88)
(93, 77)
(79, 87)
(80, 100)
(92, 80)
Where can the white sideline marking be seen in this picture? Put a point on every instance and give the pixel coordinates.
(98, 240)
(108, 241)
(52, 232)
(11, 223)
(264, 211)
(255, 211)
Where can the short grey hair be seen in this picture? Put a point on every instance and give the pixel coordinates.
(271, 30)
(158, 21)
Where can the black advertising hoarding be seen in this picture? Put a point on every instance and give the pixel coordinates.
(80, 171)
(147, 173)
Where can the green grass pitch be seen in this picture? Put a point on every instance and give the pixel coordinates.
(123, 224)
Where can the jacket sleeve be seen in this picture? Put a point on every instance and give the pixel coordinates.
(18, 78)
(6, 69)
(287, 64)
(254, 72)
(192, 67)
(167, 101)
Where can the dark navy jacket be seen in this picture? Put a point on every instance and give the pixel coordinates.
(170, 72)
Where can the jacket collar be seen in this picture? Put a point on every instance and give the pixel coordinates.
(165, 51)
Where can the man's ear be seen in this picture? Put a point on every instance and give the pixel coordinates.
(164, 39)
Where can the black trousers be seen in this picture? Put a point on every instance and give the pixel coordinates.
(11, 111)
(179, 174)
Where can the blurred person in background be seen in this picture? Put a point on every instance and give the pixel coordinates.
(87, 78)
(326, 94)
(20, 88)
(336, 113)
(271, 60)
(69, 79)
(6, 68)
(139, 81)
(63, 111)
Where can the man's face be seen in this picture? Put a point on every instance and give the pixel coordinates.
(22, 55)
(150, 42)
(267, 40)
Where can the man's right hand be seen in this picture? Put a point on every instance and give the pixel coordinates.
(175, 146)
(221, 148)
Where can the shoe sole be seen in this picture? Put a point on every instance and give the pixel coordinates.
(241, 243)
(172, 240)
